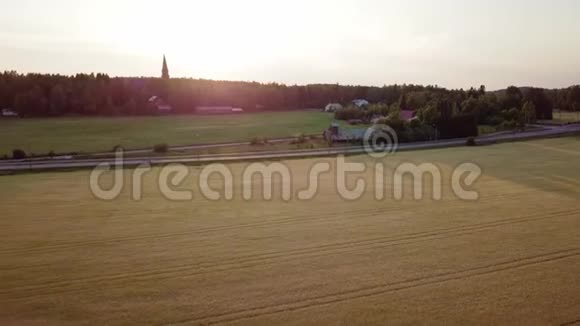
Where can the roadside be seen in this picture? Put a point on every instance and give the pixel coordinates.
(10, 167)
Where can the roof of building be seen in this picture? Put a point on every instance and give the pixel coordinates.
(345, 135)
(164, 107)
(407, 114)
(352, 134)
(360, 102)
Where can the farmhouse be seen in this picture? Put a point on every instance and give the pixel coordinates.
(159, 104)
(8, 113)
(361, 103)
(337, 135)
(333, 107)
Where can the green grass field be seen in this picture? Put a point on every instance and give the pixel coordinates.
(41, 136)
(511, 257)
(564, 116)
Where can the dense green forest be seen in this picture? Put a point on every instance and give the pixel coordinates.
(36, 95)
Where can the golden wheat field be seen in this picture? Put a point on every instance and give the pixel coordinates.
(510, 257)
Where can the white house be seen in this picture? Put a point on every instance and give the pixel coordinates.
(160, 104)
(9, 113)
(333, 107)
(361, 103)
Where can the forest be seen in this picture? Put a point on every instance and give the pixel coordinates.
(44, 95)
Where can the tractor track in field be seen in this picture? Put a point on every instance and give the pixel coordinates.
(380, 289)
(279, 221)
(281, 256)
(288, 219)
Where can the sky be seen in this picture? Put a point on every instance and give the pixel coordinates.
(450, 43)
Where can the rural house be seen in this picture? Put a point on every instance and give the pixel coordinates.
(159, 104)
(361, 103)
(333, 107)
(337, 135)
(8, 113)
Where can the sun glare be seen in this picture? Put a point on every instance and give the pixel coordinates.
(199, 37)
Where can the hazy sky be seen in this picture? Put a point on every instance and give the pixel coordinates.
(457, 43)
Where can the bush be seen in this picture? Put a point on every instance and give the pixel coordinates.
(161, 148)
(494, 120)
(355, 122)
(508, 125)
(460, 126)
(300, 139)
(349, 113)
(378, 109)
(486, 129)
(382, 121)
(420, 132)
(18, 154)
(258, 141)
(415, 123)
(470, 142)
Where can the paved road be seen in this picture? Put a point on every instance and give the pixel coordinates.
(49, 164)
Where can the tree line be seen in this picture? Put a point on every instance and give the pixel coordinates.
(41, 95)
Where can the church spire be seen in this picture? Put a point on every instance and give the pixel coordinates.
(164, 70)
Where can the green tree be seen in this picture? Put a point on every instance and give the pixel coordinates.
(482, 90)
(57, 100)
(31, 103)
(471, 106)
(529, 112)
(428, 115)
(542, 103)
(513, 98)
(21, 104)
(131, 107)
(576, 108)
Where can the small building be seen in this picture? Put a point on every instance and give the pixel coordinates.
(333, 107)
(361, 103)
(8, 113)
(337, 135)
(160, 105)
